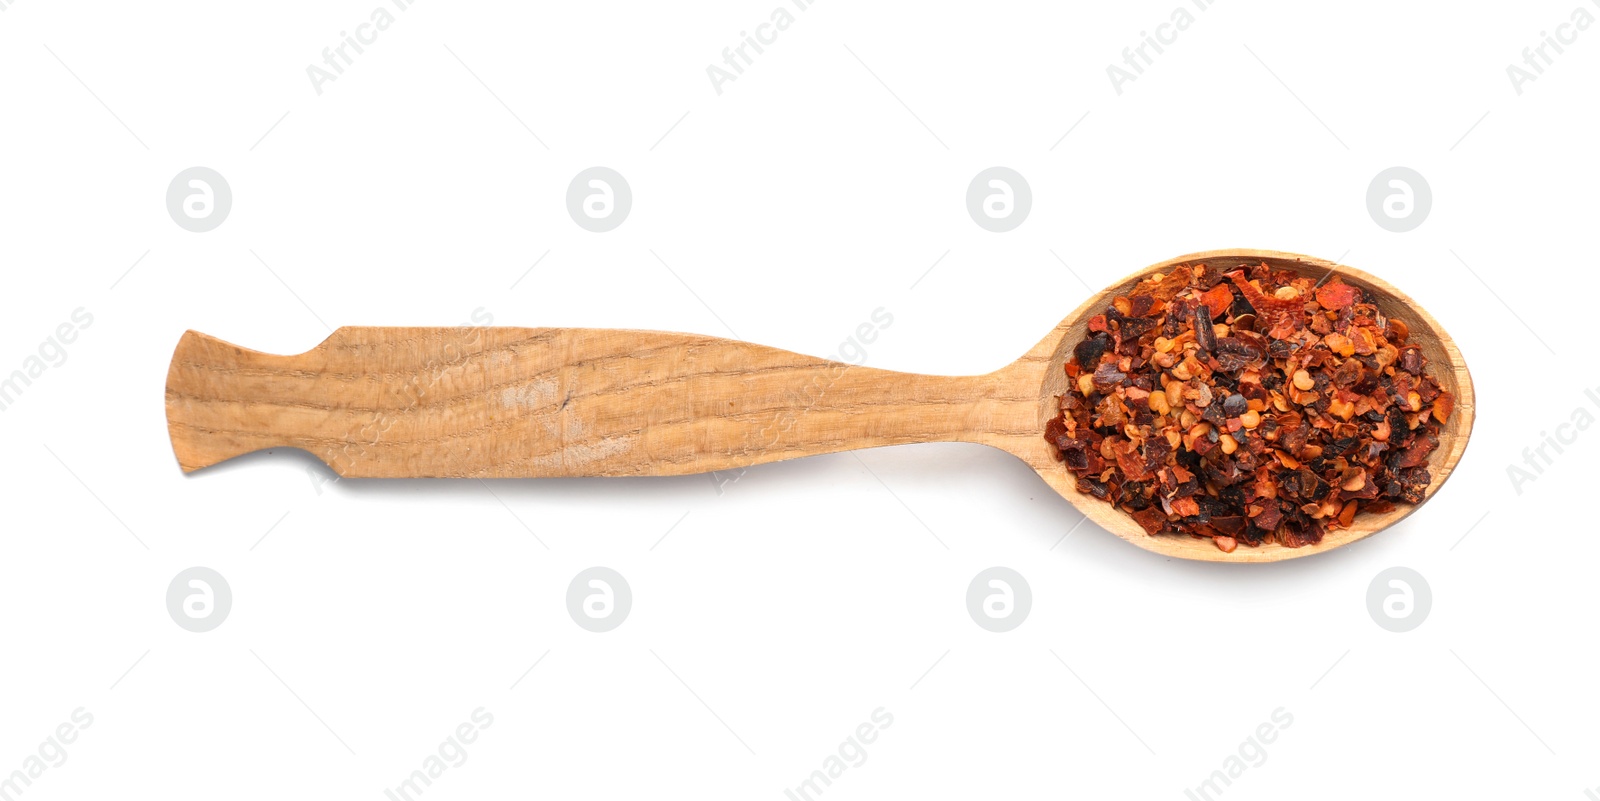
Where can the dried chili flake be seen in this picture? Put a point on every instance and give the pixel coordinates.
(1272, 311)
(1336, 295)
(1217, 299)
(1165, 288)
(1247, 407)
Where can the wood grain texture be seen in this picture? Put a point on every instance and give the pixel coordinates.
(539, 402)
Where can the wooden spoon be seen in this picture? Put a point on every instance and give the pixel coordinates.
(534, 402)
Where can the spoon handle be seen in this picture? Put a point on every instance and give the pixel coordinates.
(534, 402)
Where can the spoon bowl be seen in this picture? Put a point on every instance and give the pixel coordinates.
(1444, 360)
(502, 402)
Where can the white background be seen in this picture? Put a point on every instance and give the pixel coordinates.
(778, 614)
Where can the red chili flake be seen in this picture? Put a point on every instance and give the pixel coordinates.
(1151, 518)
(1298, 532)
(1230, 525)
(1336, 295)
(1269, 517)
(1416, 454)
(1442, 406)
(1270, 310)
(1347, 514)
(1217, 300)
(1168, 287)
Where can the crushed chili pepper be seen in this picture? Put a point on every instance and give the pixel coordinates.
(1248, 406)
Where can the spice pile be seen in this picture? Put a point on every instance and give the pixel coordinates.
(1248, 407)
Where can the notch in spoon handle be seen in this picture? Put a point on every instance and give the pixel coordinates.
(533, 402)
